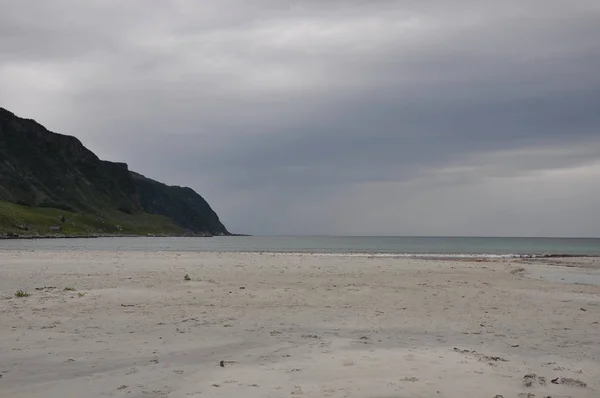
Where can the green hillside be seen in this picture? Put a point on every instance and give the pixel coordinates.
(24, 220)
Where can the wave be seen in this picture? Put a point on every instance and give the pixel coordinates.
(427, 255)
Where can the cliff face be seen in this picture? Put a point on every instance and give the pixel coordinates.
(39, 168)
(182, 205)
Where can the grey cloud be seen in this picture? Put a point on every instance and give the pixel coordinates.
(281, 112)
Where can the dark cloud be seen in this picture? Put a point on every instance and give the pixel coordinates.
(355, 117)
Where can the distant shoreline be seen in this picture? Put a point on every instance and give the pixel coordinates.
(33, 237)
(94, 236)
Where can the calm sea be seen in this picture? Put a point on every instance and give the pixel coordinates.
(382, 246)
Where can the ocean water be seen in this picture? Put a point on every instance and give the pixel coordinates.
(327, 245)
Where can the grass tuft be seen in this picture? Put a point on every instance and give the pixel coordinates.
(21, 293)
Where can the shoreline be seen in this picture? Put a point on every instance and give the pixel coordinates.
(392, 247)
(467, 256)
(14, 236)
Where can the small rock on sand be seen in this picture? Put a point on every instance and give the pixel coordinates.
(530, 379)
(527, 395)
(569, 382)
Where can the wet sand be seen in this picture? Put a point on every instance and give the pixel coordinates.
(273, 325)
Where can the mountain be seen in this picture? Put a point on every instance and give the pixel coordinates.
(43, 174)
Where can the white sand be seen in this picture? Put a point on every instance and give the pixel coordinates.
(302, 326)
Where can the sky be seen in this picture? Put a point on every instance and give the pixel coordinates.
(379, 117)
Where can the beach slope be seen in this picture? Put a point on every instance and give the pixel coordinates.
(131, 324)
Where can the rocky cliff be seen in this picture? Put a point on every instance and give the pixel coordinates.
(42, 169)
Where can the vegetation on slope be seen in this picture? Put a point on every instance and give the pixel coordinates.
(25, 220)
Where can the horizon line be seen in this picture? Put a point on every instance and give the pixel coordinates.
(419, 236)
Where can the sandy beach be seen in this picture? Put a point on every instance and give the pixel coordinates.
(129, 324)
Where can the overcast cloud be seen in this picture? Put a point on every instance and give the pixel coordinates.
(330, 117)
